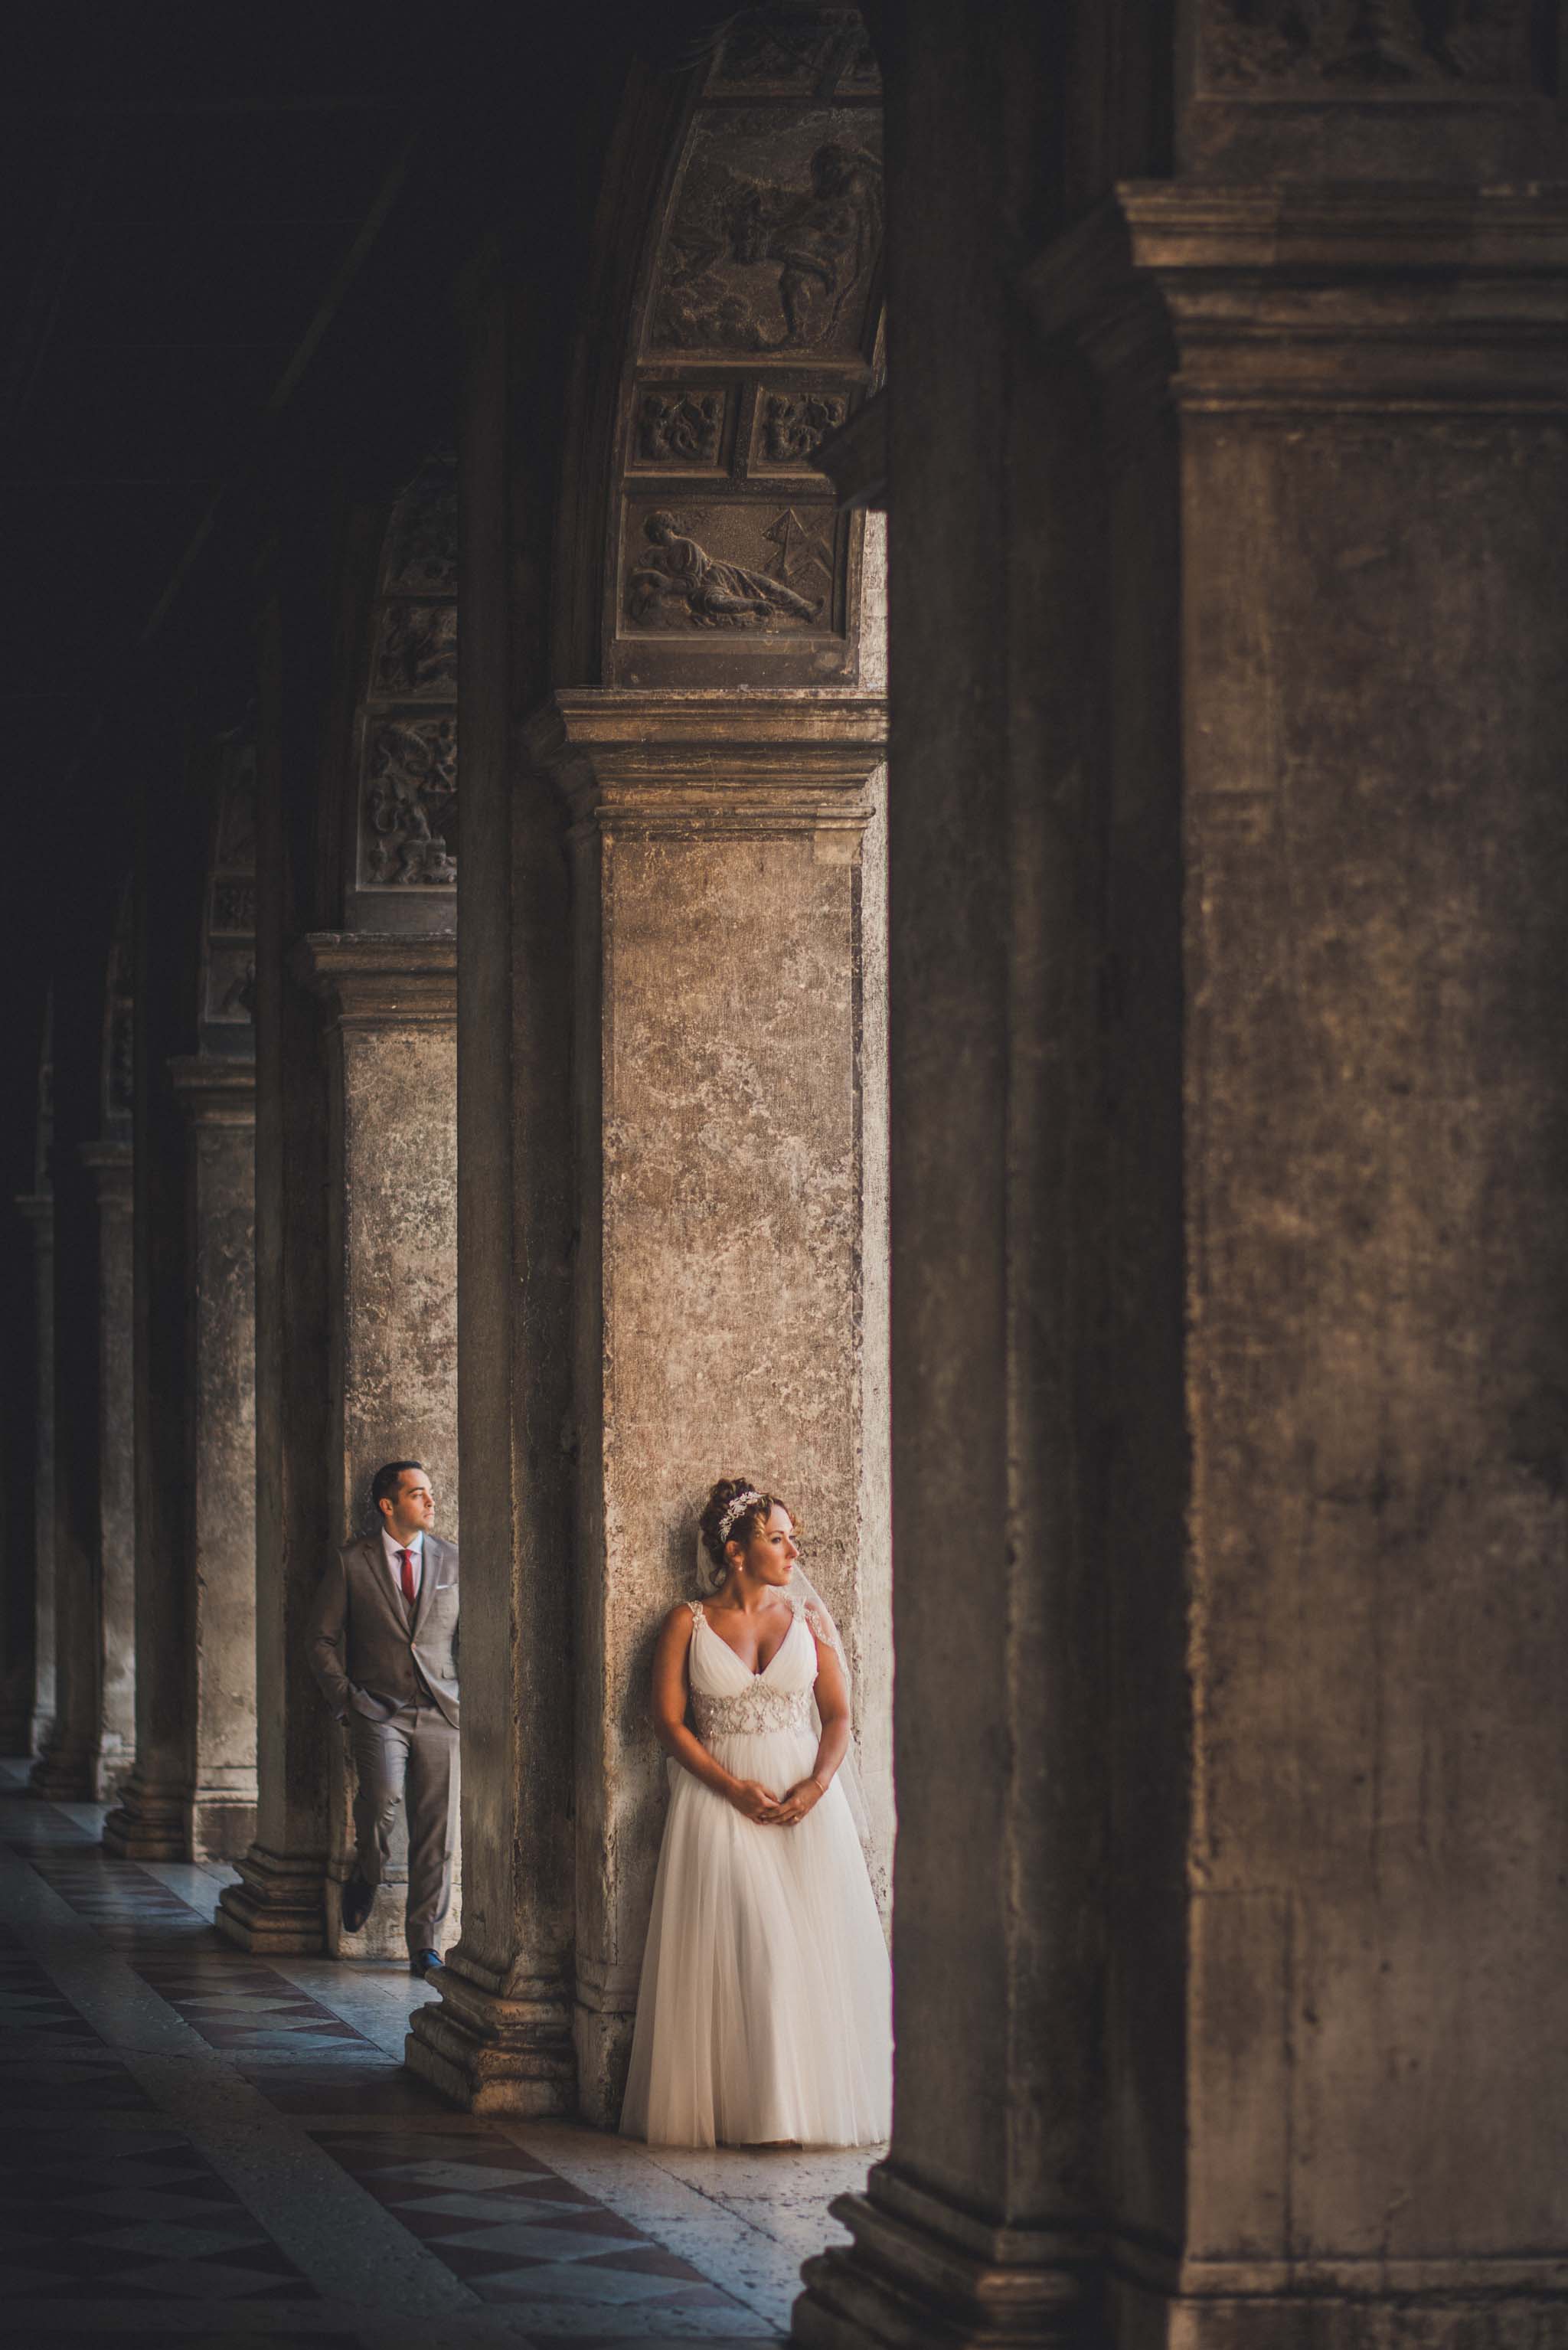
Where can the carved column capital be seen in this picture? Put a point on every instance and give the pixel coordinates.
(213, 1091)
(642, 763)
(371, 980)
(1299, 300)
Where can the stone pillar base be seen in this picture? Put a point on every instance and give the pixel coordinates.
(602, 2024)
(1441, 2311)
(115, 1767)
(923, 2275)
(149, 1823)
(383, 1935)
(221, 1826)
(492, 2052)
(277, 1906)
(66, 1772)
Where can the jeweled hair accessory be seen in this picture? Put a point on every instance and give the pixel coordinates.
(736, 1508)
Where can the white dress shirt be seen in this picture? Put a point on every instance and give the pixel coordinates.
(394, 1551)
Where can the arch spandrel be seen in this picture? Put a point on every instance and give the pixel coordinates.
(755, 335)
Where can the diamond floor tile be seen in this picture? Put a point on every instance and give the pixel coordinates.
(107, 2204)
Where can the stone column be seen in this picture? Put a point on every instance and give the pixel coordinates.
(68, 1769)
(38, 1209)
(192, 1792)
(278, 1904)
(110, 1164)
(1375, 523)
(725, 968)
(499, 2038)
(390, 1012)
(1211, 1994)
(218, 1098)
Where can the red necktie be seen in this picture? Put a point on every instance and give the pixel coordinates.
(408, 1558)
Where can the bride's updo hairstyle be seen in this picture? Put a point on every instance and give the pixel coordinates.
(723, 1522)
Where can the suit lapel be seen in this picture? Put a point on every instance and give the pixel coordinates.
(430, 1570)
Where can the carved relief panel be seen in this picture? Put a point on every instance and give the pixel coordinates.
(758, 338)
(406, 808)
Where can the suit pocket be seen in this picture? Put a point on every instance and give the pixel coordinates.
(368, 1708)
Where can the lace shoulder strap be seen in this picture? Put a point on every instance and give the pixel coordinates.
(824, 1629)
(696, 1608)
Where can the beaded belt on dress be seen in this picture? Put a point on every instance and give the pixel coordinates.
(751, 1711)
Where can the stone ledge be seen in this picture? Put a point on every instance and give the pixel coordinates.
(213, 1091)
(381, 979)
(1294, 300)
(646, 763)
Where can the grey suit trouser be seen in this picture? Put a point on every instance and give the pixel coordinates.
(410, 1760)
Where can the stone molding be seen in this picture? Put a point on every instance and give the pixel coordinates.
(213, 1090)
(151, 1821)
(495, 2050)
(974, 2283)
(113, 1168)
(647, 764)
(1441, 2278)
(1289, 300)
(371, 980)
(279, 1906)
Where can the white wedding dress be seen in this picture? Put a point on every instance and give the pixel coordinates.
(765, 2008)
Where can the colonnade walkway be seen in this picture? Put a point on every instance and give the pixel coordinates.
(202, 2148)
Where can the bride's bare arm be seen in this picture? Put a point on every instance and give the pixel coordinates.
(669, 1727)
(833, 1706)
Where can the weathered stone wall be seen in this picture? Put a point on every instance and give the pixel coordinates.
(1377, 956)
(732, 1247)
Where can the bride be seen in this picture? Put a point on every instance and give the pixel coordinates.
(763, 2017)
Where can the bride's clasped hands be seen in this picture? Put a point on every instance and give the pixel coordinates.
(763, 2015)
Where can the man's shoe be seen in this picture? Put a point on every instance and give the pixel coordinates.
(425, 1963)
(358, 1900)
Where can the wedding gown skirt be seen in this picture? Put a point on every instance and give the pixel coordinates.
(764, 2011)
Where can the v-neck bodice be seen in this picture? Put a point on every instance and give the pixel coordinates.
(730, 1699)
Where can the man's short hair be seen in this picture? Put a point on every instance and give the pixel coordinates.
(385, 1483)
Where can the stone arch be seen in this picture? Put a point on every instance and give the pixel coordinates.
(722, 346)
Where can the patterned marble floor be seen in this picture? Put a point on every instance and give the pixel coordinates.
(202, 2148)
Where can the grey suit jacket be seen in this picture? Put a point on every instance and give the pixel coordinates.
(364, 1648)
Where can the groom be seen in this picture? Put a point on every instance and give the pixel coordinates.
(383, 1646)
